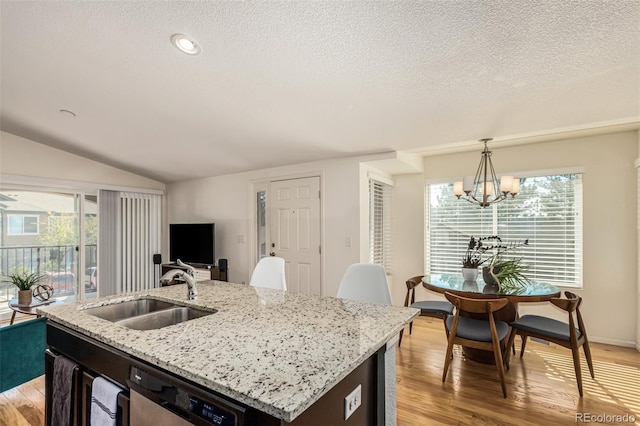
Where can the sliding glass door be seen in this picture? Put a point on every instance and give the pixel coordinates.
(52, 233)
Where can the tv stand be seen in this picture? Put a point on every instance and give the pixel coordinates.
(203, 272)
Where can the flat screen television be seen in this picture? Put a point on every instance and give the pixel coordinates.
(192, 243)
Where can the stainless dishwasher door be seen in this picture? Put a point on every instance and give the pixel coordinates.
(159, 399)
(145, 412)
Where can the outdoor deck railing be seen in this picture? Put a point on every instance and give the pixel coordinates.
(58, 263)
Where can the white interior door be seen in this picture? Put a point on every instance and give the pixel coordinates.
(295, 231)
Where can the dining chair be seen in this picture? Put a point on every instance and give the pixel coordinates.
(477, 333)
(428, 308)
(558, 332)
(269, 273)
(365, 282)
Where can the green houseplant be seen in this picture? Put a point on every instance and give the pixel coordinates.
(24, 280)
(506, 273)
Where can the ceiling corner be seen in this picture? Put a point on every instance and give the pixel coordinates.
(399, 163)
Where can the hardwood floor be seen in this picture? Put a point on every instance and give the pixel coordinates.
(23, 405)
(541, 386)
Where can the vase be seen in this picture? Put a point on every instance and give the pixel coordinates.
(470, 274)
(470, 286)
(488, 278)
(24, 297)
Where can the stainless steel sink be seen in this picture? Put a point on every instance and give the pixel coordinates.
(164, 318)
(147, 314)
(131, 308)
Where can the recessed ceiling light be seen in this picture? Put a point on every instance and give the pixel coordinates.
(67, 113)
(186, 44)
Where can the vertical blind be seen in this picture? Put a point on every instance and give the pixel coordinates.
(547, 212)
(380, 224)
(132, 223)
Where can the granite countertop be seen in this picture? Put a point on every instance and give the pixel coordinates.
(275, 351)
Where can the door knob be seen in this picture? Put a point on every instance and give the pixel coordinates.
(273, 253)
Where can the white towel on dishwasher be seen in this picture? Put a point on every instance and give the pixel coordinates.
(104, 402)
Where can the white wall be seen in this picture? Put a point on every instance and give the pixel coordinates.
(227, 201)
(610, 288)
(24, 157)
(407, 236)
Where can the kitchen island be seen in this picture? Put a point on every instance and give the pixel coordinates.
(278, 353)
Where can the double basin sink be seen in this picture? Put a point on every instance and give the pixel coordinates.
(147, 313)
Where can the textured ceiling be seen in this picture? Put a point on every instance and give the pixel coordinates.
(287, 82)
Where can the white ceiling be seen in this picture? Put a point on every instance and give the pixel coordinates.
(288, 82)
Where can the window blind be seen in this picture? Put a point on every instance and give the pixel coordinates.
(380, 224)
(548, 212)
(129, 236)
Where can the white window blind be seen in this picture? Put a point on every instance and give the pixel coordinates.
(547, 212)
(380, 223)
(129, 237)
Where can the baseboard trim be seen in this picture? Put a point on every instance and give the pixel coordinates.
(615, 342)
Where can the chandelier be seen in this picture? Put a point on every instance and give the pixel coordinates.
(482, 189)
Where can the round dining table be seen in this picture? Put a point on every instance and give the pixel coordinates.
(533, 291)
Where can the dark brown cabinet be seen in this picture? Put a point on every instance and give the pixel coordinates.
(82, 381)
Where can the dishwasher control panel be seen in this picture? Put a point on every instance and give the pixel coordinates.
(185, 400)
(211, 412)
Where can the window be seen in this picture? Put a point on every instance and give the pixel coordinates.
(548, 212)
(380, 223)
(22, 224)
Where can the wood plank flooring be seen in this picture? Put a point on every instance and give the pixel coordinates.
(541, 386)
(23, 405)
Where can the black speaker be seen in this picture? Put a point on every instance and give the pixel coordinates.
(157, 259)
(223, 265)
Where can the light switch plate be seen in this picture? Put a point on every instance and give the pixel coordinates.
(352, 401)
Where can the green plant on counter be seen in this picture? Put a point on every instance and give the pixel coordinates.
(24, 279)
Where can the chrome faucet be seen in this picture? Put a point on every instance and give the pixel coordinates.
(188, 275)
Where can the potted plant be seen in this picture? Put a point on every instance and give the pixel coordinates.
(506, 273)
(472, 258)
(24, 280)
(471, 261)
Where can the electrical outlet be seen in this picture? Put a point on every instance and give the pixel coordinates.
(352, 401)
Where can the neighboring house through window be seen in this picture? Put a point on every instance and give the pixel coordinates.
(548, 212)
(22, 224)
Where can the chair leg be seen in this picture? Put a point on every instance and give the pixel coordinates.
(446, 330)
(447, 358)
(512, 344)
(576, 365)
(497, 352)
(587, 355)
(400, 339)
(410, 327)
(524, 343)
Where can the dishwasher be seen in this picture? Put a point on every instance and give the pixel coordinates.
(158, 399)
